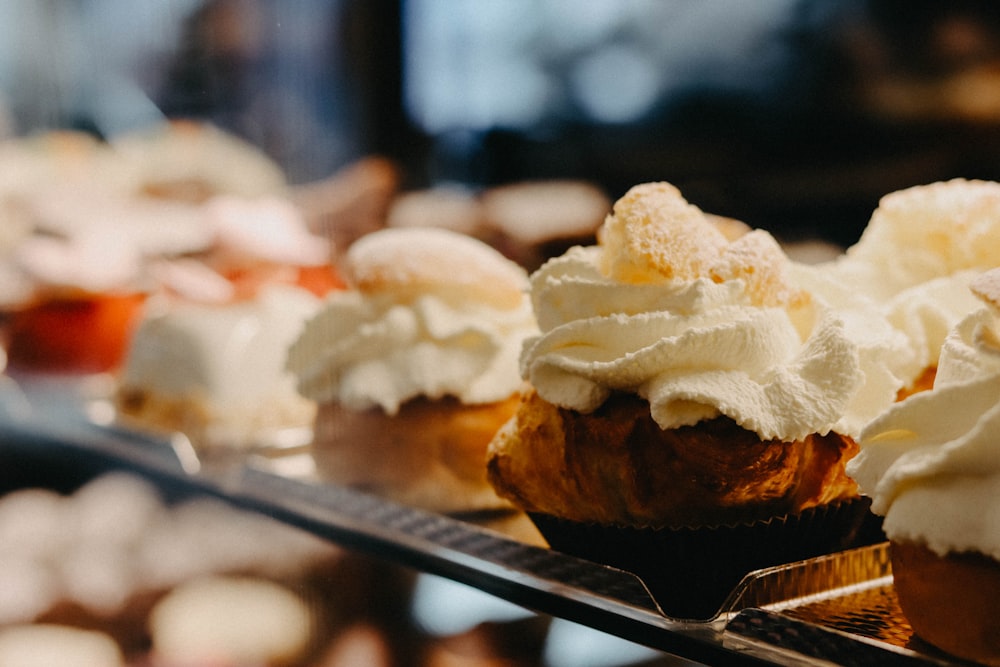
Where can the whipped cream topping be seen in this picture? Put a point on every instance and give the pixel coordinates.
(926, 232)
(916, 257)
(885, 350)
(667, 308)
(372, 350)
(925, 314)
(430, 313)
(931, 463)
(695, 349)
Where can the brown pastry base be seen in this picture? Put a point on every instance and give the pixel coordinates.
(431, 454)
(952, 602)
(617, 466)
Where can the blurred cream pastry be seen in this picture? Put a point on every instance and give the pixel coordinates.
(191, 161)
(533, 220)
(915, 259)
(930, 464)
(257, 241)
(100, 220)
(414, 367)
(207, 358)
(71, 286)
(216, 372)
(228, 620)
(450, 207)
(45, 645)
(682, 378)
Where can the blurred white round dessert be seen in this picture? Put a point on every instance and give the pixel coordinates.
(45, 645)
(451, 207)
(229, 621)
(534, 220)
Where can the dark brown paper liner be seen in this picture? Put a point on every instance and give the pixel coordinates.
(690, 572)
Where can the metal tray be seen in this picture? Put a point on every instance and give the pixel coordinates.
(838, 609)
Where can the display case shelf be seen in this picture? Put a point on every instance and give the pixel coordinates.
(837, 609)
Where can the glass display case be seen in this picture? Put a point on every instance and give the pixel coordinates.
(789, 116)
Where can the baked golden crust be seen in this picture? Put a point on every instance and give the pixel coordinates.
(617, 466)
(431, 454)
(951, 601)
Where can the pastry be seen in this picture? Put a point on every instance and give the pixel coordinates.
(70, 291)
(267, 624)
(191, 161)
(681, 380)
(915, 259)
(83, 300)
(930, 465)
(265, 240)
(414, 367)
(450, 207)
(532, 221)
(216, 372)
(207, 358)
(42, 645)
(97, 221)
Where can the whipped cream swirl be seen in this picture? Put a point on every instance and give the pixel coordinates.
(694, 347)
(932, 462)
(365, 351)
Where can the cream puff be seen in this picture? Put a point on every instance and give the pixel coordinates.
(414, 367)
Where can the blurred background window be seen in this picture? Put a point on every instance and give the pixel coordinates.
(793, 115)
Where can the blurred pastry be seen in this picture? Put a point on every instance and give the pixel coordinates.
(191, 161)
(532, 221)
(915, 259)
(84, 300)
(216, 372)
(448, 207)
(103, 556)
(414, 367)
(44, 645)
(70, 291)
(930, 465)
(98, 220)
(207, 358)
(265, 624)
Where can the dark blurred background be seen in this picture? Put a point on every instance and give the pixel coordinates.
(793, 115)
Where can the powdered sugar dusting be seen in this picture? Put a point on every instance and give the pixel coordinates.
(655, 235)
(434, 260)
